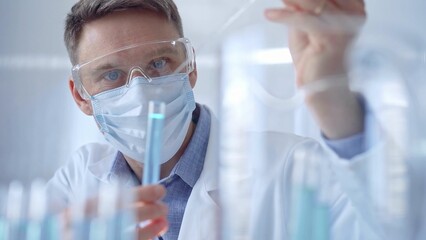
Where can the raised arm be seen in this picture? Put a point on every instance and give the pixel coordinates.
(320, 34)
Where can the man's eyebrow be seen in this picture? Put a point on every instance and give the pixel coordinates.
(100, 68)
(148, 55)
(105, 65)
(162, 50)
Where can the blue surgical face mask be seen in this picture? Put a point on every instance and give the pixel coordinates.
(122, 114)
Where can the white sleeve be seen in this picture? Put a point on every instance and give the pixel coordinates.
(354, 208)
(61, 187)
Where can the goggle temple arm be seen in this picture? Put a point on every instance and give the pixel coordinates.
(79, 85)
(191, 57)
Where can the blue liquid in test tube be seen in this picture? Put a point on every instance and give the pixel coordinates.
(321, 228)
(322, 210)
(154, 142)
(302, 228)
(3, 228)
(51, 228)
(304, 195)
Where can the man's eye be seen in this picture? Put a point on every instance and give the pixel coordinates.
(158, 64)
(113, 75)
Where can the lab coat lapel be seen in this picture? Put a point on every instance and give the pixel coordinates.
(200, 220)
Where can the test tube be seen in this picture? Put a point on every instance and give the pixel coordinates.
(321, 220)
(154, 141)
(304, 193)
(80, 217)
(51, 227)
(105, 225)
(14, 210)
(37, 210)
(3, 207)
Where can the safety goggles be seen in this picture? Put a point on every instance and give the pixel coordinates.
(150, 60)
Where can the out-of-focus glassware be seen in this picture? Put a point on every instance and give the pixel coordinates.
(389, 72)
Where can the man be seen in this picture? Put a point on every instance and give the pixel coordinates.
(126, 53)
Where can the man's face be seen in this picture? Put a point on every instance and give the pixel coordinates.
(121, 29)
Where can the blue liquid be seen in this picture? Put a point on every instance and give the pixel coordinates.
(126, 219)
(33, 231)
(304, 205)
(98, 230)
(117, 226)
(16, 229)
(81, 229)
(113, 227)
(151, 171)
(51, 228)
(311, 219)
(321, 222)
(3, 229)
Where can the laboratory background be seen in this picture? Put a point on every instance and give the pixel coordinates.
(242, 60)
(42, 126)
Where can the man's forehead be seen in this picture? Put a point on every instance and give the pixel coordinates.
(138, 55)
(121, 29)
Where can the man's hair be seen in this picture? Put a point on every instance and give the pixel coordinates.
(85, 11)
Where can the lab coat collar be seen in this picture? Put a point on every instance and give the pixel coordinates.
(191, 162)
(104, 170)
(202, 208)
(101, 168)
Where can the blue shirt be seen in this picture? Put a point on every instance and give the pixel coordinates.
(183, 176)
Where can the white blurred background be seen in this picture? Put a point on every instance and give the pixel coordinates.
(40, 125)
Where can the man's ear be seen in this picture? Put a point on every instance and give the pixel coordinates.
(84, 104)
(193, 75)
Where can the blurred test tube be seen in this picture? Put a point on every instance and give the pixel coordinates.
(3, 207)
(310, 200)
(303, 199)
(321, 228)
(14, 211)
(37, 211)
(104, 225)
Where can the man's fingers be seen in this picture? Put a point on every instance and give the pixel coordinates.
(325, 23)
(305, 5)
(313, 6)
(344, 6)
(351, 6)
(297, 20)
(149, 193)
(155, 228)
(282, 15)
(149, 211)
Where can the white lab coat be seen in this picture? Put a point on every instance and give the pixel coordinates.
(89, 168)
(352, 218)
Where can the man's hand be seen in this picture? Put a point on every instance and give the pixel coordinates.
(147, 207)
(150, 214)
(320, 33)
